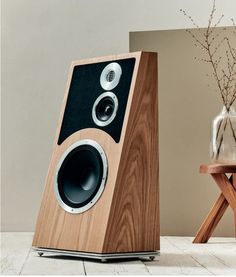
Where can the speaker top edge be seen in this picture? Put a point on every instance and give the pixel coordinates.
(109, 58)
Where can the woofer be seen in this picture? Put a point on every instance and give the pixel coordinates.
(105, 108)
(81, 176)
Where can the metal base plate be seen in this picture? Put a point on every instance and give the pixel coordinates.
(102, 257)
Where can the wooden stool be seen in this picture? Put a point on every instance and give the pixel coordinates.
(226, 198)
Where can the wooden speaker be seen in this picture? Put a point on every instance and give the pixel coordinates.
(101, 197)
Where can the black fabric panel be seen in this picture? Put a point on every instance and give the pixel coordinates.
(84, 89)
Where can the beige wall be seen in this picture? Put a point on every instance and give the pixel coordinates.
(186, 107)
(39, 41)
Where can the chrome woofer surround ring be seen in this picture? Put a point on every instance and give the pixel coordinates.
(102, 184)
(100, 97)
(117, 71)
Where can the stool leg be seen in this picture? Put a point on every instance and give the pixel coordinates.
(226, 187)
(211, 221)
(234, 185)
(234, 180)
(235, 224)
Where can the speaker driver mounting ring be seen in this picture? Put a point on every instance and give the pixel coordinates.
(105, 108)
(110, 76)
(80, 176)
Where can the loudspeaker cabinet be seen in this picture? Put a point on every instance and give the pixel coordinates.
(101, 197)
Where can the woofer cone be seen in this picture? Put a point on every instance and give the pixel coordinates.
(105, 108)
(81, 176)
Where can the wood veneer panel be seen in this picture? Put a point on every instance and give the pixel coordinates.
(57, 228)
(134, 218)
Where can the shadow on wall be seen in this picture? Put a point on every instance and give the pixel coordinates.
(187, 105)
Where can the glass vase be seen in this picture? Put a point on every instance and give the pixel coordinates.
(223, 141)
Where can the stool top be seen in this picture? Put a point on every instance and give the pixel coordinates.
(218, 168)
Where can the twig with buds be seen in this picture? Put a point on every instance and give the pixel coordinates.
(223, 67)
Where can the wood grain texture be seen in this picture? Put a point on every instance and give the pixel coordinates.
(133, 223)
(227, 188)
(218, 168)
(234, 185)
(235, 224)
(212, 220)
(89, 231)
(234, 180)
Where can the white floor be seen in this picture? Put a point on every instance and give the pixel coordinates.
(178, 256)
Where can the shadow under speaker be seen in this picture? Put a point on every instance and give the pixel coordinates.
(101, 197)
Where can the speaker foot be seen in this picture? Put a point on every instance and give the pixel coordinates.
(101, 257)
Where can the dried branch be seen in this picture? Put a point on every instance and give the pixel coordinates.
(233, 22)
(223, 68)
